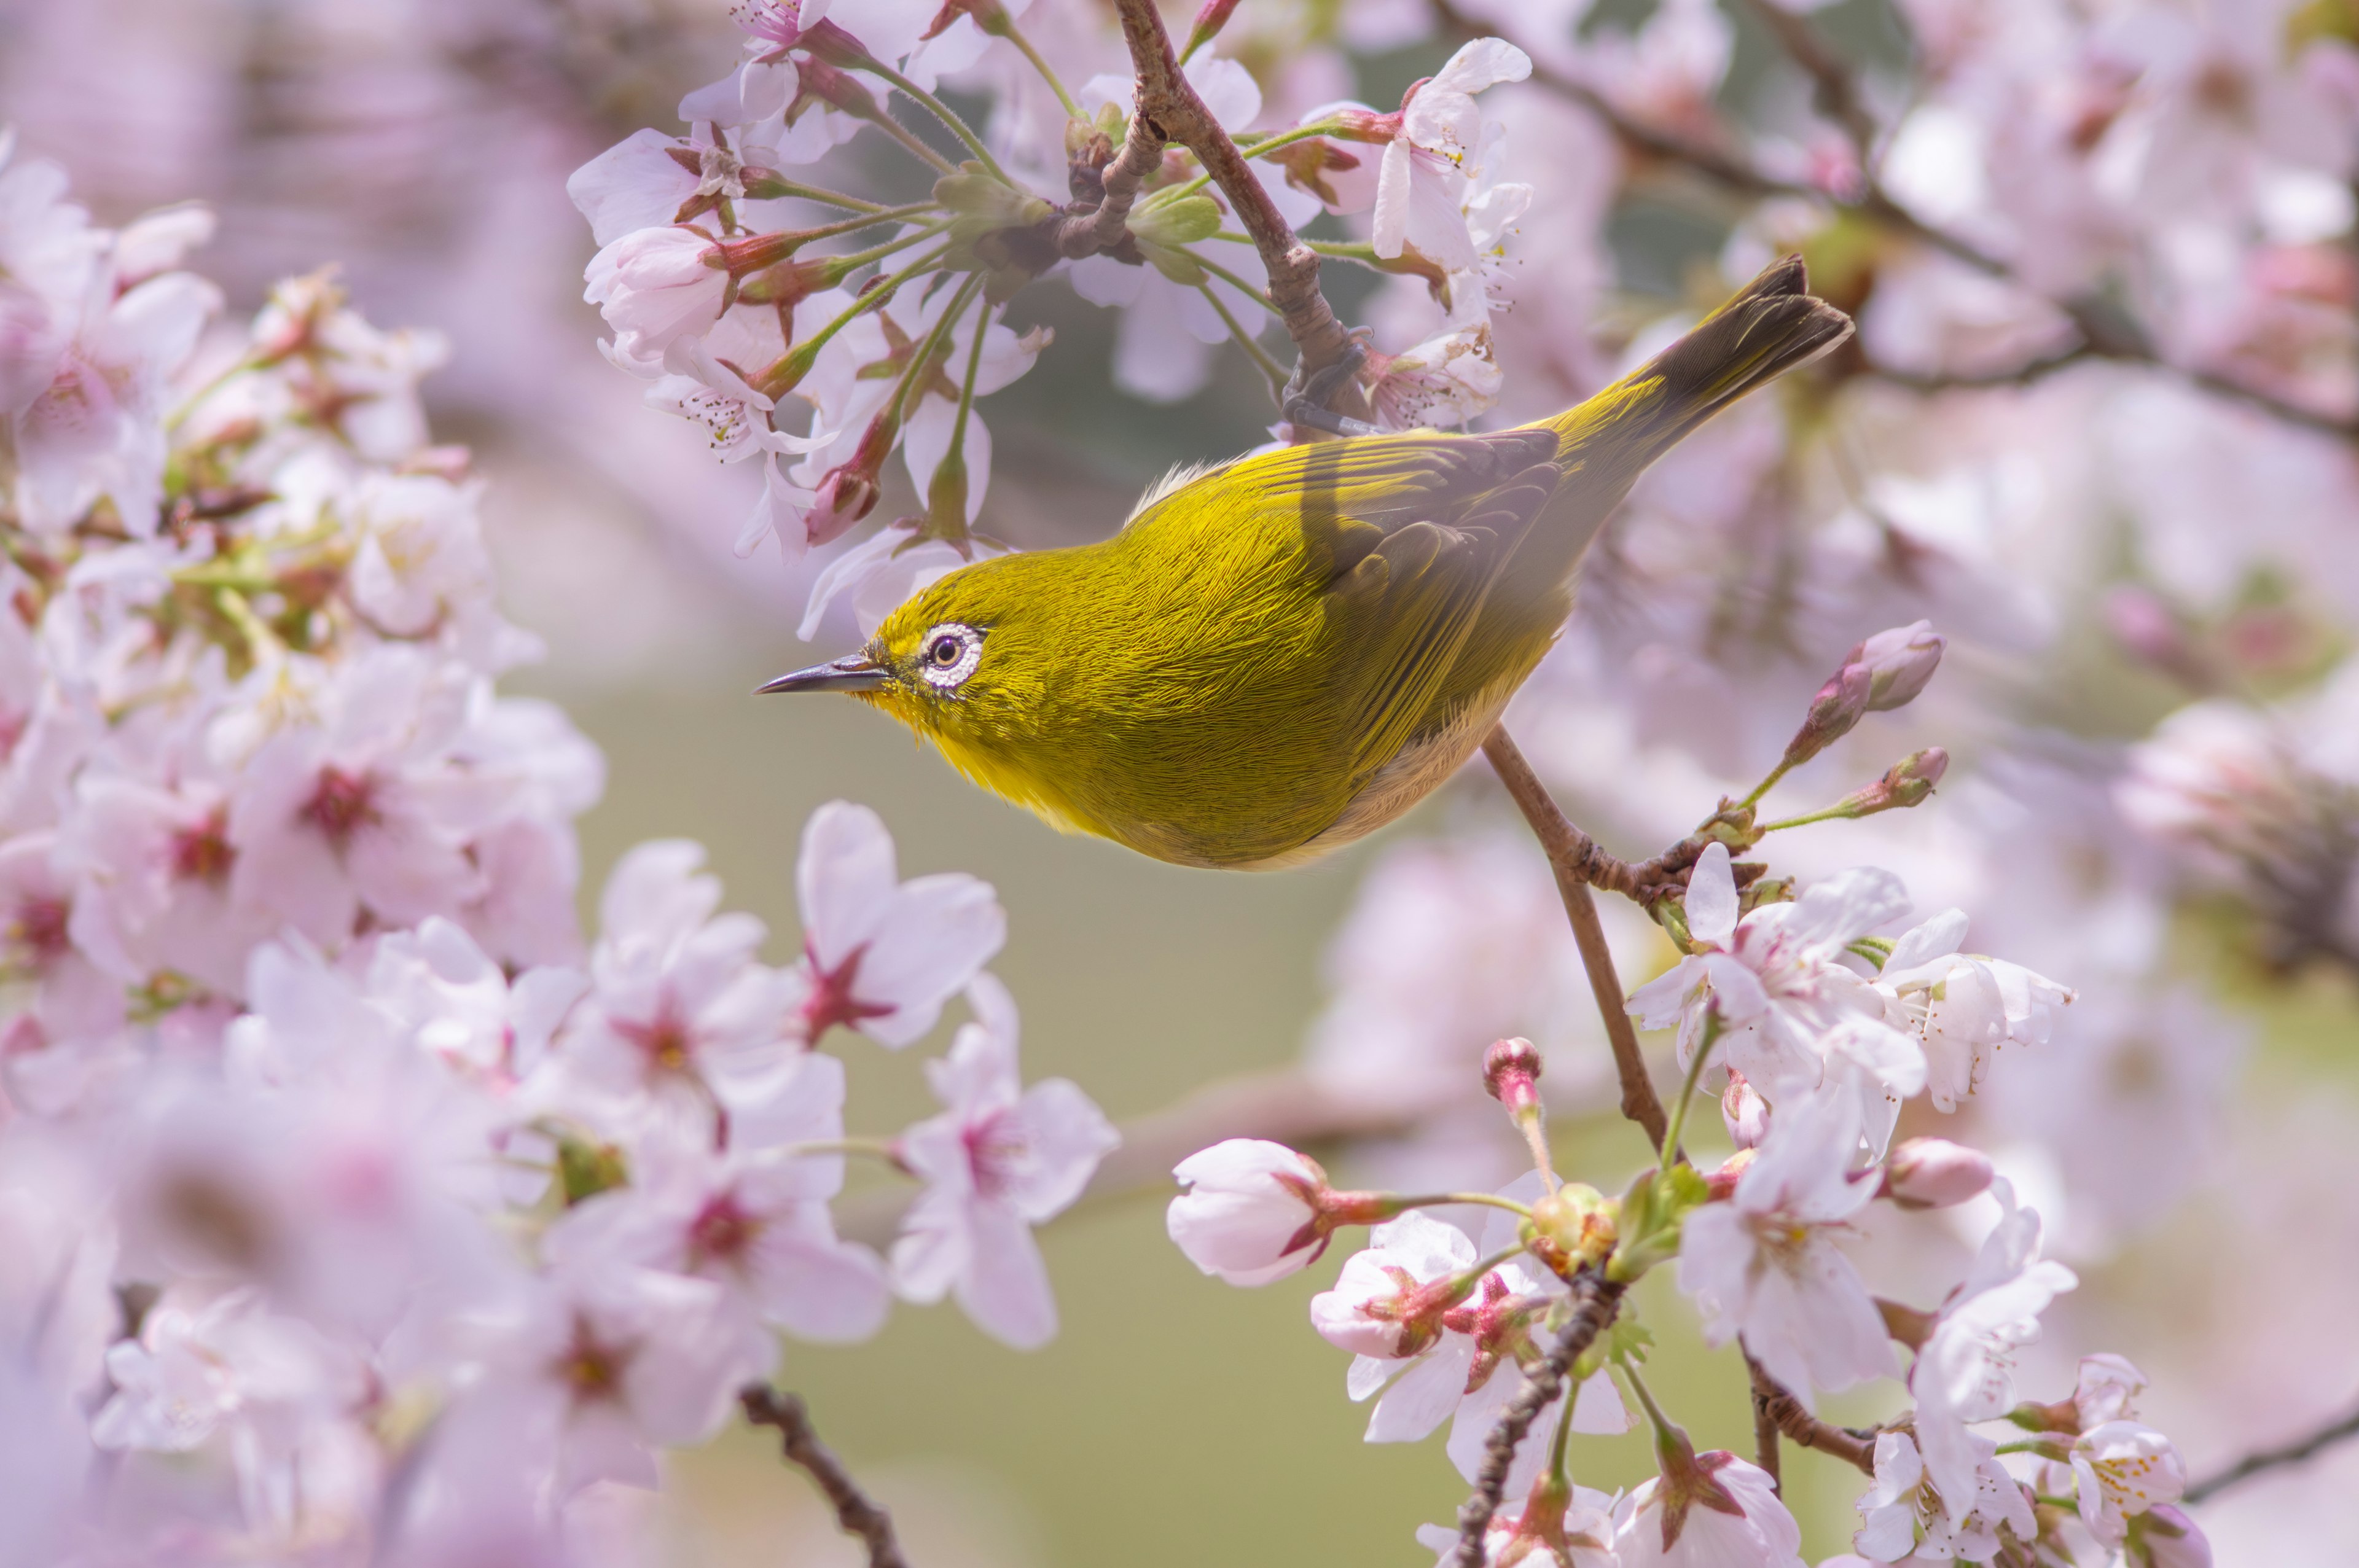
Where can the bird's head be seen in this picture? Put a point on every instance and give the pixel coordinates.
(963, 662)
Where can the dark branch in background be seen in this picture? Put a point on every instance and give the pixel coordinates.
(855, 1512)
(2337, 1431)
(1594, 1301)
(2105, 332)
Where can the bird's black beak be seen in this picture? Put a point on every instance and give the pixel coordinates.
(853, 672)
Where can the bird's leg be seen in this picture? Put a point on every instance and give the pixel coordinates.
(1309, 397)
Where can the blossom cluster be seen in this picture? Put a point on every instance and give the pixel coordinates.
(1819, 1032)
(356, 1209)
(724, 292)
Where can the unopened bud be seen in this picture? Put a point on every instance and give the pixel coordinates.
(1833, 713)
(1511, 1070)
(1571, 1227)
(1933, 1173)
(849, 491)
(1208, 22)
(2164, 1537)
(1899, 662)
(1743, 1112)
(1720, 1185)
(1906, 784)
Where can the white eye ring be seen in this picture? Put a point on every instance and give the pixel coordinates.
(949, 653)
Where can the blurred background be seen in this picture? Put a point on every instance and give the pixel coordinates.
(2052, 524)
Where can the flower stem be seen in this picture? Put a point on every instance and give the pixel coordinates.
(1665, 1429)
(773, 189)
(925, 352)
(942, 111)
(1267, 145)
(1254, 350)
(871, 1148)
(801, 355)
(1763, 786)
(1831, 813)
(1015, 35)
(1488, 1200)
(1233, 280)
(1671, 1150)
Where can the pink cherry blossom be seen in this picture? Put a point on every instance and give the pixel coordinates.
(884, 954)
(655, 286)
(1250, 1211)
(1737, 1519)
(998, 1160)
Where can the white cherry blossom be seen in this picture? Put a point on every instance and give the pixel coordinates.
(1764, 1264)
(1964, 1371)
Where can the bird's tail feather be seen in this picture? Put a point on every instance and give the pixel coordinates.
(1765, 329)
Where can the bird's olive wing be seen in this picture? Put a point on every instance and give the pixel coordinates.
(1416, 531)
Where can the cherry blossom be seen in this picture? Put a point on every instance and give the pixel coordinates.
(884, 954)
(1764, 1266)
(1964, 1371)
(1904, 1520)
(1962, 1008)
(999, 1160)
(1728, 1513)
(1422, 176)
(1790, 1013)
(1251, 1211)
(2121, 1469)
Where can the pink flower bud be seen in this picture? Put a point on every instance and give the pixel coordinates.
(1252, 1210)
(1933, 1173)
(1743, 1112)
(1210, 20)
(1833, 713)
(1511, 1069)
(1899, 662)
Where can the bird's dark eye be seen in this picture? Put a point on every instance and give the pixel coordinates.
(949, 655)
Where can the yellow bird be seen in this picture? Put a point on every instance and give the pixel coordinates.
(1280, 654)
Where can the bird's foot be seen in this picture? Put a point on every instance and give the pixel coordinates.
(1308, 395)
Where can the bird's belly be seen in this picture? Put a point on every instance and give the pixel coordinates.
(1418, 769)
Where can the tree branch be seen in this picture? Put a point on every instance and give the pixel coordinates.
(855, 1512)
(1764, 1427)
(1773, 1404)
(1166, 110)
(1578, 861)
(1595, 1302)
(2337, 1431)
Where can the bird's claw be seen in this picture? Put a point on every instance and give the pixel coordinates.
(1306, 398)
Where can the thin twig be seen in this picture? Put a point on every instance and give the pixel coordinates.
(1772, 1401)
(1104, 225)
(1594, 1301)
(1577, 861)
(1765, 1426)
(855, 1512)
(1168, 101)
(2337, 1431)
